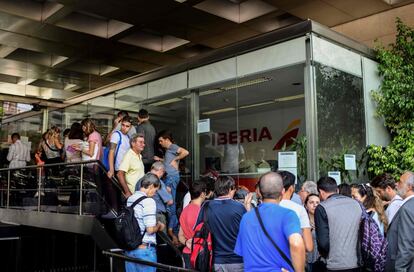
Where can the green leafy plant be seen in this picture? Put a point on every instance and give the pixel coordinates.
(395, 103)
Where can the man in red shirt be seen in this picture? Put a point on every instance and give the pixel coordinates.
(199, 191)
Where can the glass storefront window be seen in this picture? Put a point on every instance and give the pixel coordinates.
(250, 121)
(341, 120)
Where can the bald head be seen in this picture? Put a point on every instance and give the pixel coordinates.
(271, 185)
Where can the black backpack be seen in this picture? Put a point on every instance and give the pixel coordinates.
(127, 230)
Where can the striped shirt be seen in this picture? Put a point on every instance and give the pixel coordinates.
(145, 213)
(18, 155)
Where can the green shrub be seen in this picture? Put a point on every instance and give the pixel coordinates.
(395, 103)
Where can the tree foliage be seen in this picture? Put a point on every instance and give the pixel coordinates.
(395, 103)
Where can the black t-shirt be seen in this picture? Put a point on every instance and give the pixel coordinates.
(224, 216)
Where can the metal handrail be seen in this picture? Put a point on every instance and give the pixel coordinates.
(148, 263)
(98, 162)
(53, 164)
(39, 167)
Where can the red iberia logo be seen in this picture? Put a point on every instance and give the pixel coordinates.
(290, 133)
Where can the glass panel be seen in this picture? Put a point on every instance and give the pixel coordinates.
(101, 111)
(220, 149)
(75, 113)
(268, 112)
(341, 127)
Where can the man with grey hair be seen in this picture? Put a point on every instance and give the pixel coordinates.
(308, 187)
(400, 254)
(282, 227)
(131, 168)
(145, 213)
(162, 198)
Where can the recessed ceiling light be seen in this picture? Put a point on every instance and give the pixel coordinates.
(289, 98)
(218, 111)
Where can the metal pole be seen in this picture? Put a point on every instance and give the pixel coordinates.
(111, 264)
(8, 189)
(80, 190)
(39, 185)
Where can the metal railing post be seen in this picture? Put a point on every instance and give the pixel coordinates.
(39, 186)
(8, 189)
(80, 190)
(111, 264)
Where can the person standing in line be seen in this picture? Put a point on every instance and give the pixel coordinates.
(162, 198)
(19, 153)
(282, 226)
(311, 202)
(400, 254)
(93, 149)
(289, 186)
(224, 215)
(384, 185)
(131, 168)
(119, 146)
(147, 129)
(308, 187)
(172, 157)
(199, 192)
(145, 213)
(118, 122)
(72, 143)
(52, 145)
(373, 204)
(337, 220)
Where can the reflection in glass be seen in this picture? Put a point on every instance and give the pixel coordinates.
(340, 107)
(250, 121)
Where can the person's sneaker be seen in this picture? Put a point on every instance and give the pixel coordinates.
(109, 215)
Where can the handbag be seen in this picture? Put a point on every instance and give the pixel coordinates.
(286, 258)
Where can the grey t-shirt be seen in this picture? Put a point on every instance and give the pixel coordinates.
(148, 130)
(169, 156)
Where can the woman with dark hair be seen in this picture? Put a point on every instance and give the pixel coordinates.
(74, 138)
(373, 204)
(313, 262)
(345, 189)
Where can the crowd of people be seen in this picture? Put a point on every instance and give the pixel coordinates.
(271, 229)
(320, 234)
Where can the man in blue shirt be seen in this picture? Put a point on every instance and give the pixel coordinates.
(224, 215)
(162, 198)
(283, 226)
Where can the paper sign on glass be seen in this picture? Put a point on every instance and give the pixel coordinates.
(336, 175)
(287, 159)
(350, 162)
(294, 171)
(203, 125)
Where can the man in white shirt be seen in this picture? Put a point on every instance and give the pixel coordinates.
(132, 167)
(384, 185)
(119, 146)
(19, 153)
(145, 213)
(289, 186)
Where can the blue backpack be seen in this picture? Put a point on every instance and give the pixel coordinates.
(105, 158)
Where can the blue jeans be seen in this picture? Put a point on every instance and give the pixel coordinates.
(147, 254)
(172, 182)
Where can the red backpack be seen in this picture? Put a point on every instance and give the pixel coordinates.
(201, 256)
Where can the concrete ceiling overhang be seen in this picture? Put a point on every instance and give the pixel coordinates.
(59, 49)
